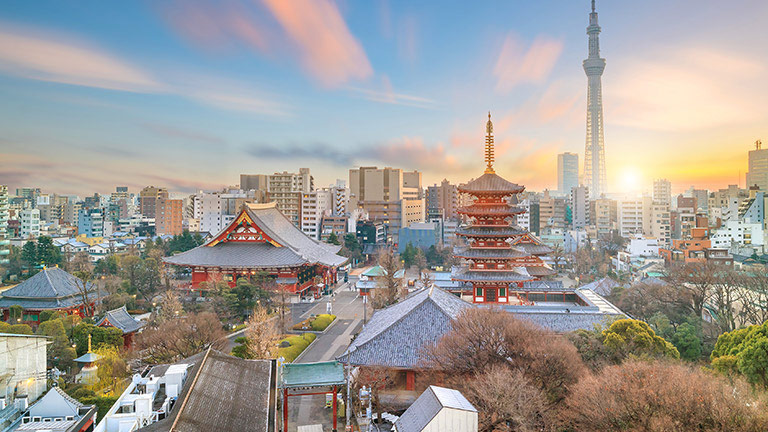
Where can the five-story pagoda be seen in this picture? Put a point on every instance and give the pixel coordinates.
(497, 256)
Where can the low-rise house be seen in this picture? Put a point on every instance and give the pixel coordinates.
(56, 412)
(369, 279)
(439, 409)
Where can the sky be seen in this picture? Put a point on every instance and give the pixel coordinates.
(190, 94)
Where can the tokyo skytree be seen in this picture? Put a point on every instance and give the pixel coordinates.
(594, 155)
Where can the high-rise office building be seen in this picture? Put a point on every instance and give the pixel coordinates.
(594, 155)
(148, 198)
(758, 167)
(579, 201)
(567, 172)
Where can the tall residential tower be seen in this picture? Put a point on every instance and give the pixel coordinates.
(594, 155)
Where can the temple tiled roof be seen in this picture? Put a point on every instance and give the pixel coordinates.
(603, 286)
(238, 255)
(564, 322)
(294, 247)
(397, 335)
(120, 318)
(540, 271)
(542, 286)
(490, 182)
(51, 288)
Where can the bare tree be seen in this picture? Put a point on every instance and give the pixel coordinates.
(507, 401)
(262, 335)
(659, 396)
(389, 287)
(180, 338)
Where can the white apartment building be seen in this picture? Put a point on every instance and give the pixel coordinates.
(206, 208)
(22, 366)
(523, 220)
(30, 223)
(758, 167)
(631, 216)
(740, 233)
(146, 400)
(340, 198)
(643, 246)
(662, 191)
(315, 205)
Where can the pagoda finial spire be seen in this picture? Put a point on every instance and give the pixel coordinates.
(489, 146)
(593, 6)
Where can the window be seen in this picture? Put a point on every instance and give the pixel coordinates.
(502, 292)
(479, 292)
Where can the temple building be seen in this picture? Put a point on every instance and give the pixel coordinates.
(120, 318)
(50, 289)
(497, 255)
(262, 239)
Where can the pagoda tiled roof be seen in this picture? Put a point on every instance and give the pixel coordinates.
(467, 275)
(490, 232)
(397, 335)
(472, 253)
(290, 246)
(490, 182)
(496, 209)
(533, 249)
(50, 288)
(540, 271)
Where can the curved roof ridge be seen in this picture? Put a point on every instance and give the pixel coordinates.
(50, 282)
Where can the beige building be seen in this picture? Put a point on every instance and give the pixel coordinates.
(287, 189)
(604, 216)
(634, 216)
(758, 167)
(662, 191)
(551, 213)
(148, 198)
(388, 194)
(660, 224)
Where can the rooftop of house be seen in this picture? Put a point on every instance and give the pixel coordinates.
(428, 406)
(50, 288)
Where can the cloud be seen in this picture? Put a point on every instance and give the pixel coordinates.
(316, 151)
(218, 26)
(517, 66)
(686, 89)
(386, 94)
(327, 49)
(35, 55)
(167, 131)
(413, 152)
(57, 59)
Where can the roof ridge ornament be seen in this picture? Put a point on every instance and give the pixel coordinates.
(489, 146)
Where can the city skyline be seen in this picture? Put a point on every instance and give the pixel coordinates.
(199, 96)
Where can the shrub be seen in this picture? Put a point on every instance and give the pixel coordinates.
(660, 396)
(297, 345)
(322, 321)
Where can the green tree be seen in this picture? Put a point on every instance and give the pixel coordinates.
(60, 352)
(15, 313)
(744, 351)
(15, 328)
(29, 254)
(687, 340)
(352, 248)
(148, 278)
(109, 265)
(184, 242)
(409, 255)
(630, 337)
(333, 239)
(100, 336)
(47, 253)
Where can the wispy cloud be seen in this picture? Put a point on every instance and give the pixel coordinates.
(168, 131)
(327, 49)
(57, 59)
(686, 89)
(33, 54)
(385, 93)
(517, 65)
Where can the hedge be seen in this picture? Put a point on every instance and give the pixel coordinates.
(322, 321)
(298, 345)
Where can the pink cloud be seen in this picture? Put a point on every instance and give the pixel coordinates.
(51, 58)
(327, 49)
(516, 65)
(385, 93)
